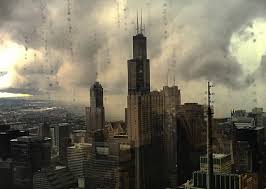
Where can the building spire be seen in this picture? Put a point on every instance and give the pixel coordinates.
(97, 77)
(141, 28)
(137, 22)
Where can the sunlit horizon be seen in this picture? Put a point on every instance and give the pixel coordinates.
(13, 95)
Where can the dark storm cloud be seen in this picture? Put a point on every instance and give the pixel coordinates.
(201, 29)
(206, 39)
(6, 10)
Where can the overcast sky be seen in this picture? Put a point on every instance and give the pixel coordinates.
(50, 53)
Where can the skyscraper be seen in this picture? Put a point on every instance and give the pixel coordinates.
(6, 163)
(30, 153)
(95, 117)
(191, 139)
(110, 162)
(139, 110)
(139, 66)
(60, 134)
(77, 161)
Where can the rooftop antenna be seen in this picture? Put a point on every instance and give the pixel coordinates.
(97, 78)
(141, 28)
(137, 22)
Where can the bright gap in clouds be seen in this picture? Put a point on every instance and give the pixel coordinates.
(248, 45)
(10, 55)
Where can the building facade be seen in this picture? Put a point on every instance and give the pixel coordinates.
(30, 154)
(95, 116)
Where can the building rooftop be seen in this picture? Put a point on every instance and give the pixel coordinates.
(60, 167)
(218, 156)
(30, 139)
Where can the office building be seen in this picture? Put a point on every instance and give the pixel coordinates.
(222, 181)
(77, 161)
(240, 137)
(191, 139)
(139, 111)
(248, 150)
(139, 67)
(79, 136)
(6, 167)
(111, 163)
(222, 163)
(60, 135)
(6, 162)
(44, 130)
(95, 117)
(172, 100)
(54, 178)
(30, 154)
(5, 137)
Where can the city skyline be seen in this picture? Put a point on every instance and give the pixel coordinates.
(162, 143)
(184, 41)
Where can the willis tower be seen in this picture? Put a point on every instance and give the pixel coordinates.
(139, 110)
(139, 66)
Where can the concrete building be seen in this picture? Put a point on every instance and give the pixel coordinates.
(60, 135)
(139, 119)
(6, 162)
(6, 167)
(248, 151)
(222, 181)
(30, 154)
(79, 136)
(5, 137)
(111, 163)
(139, 111)
(244, 141)
(191, 139)
(164, 142)
(95, 116)
(54, 178)
(222, 163)
(78, 161)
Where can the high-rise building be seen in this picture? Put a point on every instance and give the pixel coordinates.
(191, 139)
(5, 137)
(44, 130)
(139, 66)
(139, 119)
(60, 135)
(77, 161)
(139, 110)
(164, 141)
(6, 167)
(248, 151)
(78, 136)
(30, 154)
(244, 141)
(6, 162)
(58, 177)
(110, 164)
(95, 117)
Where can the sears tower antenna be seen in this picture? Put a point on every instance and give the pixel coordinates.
(137, 22)
(140, 28)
